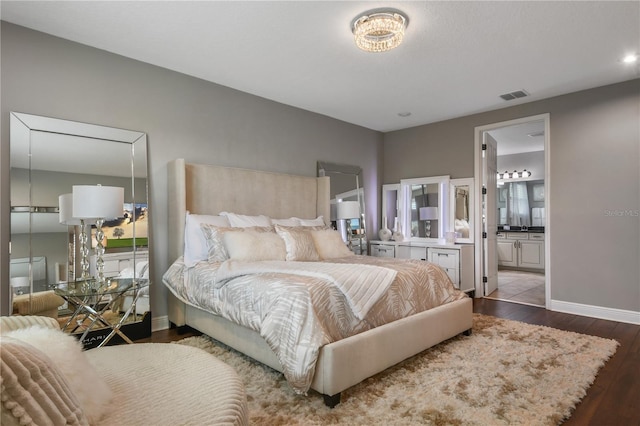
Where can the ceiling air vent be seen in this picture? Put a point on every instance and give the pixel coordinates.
(514, 95)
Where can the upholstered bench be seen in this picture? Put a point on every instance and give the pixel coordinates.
(41, 303)
(150, 383)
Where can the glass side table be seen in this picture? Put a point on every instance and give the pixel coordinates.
(92, 301)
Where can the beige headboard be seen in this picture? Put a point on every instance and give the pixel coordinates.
(206, 189)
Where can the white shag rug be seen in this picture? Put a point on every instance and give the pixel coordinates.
(505, 373)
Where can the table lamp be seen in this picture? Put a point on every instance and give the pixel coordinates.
(347, 210)
(97, 202)
(65, 208)
(428, 214)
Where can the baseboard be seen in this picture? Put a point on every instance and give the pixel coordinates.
(160, 323)
(612, 314)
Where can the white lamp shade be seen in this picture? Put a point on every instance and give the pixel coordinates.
(428, 213)
(65, 208)
(348, 210)
(97, 202)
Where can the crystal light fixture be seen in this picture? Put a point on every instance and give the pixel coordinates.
(380, 31)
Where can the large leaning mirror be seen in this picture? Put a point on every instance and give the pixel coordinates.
(461, 212)
(348, 218)
(425, 207)
(49, 157)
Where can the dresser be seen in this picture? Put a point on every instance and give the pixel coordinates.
(456, 259)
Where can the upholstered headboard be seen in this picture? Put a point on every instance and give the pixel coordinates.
(207, 189)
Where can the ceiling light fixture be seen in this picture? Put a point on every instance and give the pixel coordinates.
(379, 31)
(629, 59)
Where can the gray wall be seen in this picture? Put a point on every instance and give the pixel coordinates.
(595, 185)
(184, 117)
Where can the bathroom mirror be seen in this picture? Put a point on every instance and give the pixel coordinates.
(425, 208)
(346, 185)
(461, 211)
(48, 157)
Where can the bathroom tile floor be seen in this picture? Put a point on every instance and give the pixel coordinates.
(521, 287)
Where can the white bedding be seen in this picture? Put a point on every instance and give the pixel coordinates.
(299, 310)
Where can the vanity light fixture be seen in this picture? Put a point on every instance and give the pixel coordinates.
(97, 202)
(515, 175)
(379, 31)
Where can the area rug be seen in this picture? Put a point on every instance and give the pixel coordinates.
(505, 373)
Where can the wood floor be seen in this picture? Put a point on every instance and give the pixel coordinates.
(614, 397)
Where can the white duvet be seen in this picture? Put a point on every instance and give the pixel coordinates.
(298, 307)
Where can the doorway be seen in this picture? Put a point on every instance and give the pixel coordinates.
(512, 175)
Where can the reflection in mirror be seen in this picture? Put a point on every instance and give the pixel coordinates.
(461, 220)
(521, 203)
(390, 206)
(345, 181)
(48, 157)
(425, 208)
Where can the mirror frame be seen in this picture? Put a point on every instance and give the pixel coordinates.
(22, 128)
(443, 203)
(453, 184)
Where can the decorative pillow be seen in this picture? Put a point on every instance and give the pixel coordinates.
(329, 244)
(195, 245)
(251, 245)
(245, 221)
(319, 221)
(34, 390)
(292, 221)
(65, 351)
(214, 235)
(299, 243)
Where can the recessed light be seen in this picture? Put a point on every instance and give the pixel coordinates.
(629, 59)
(404, 114)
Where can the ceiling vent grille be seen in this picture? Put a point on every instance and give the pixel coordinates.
(514, 95)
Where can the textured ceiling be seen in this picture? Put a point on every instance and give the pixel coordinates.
(457, 57)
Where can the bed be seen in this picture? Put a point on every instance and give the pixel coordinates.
(209, 190)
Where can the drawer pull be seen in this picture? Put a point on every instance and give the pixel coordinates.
(443, 254)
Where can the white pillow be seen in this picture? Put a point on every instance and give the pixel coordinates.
(245, 221)
(195, 244)
(253, 246)
(92, 392)
(292, 221)
(329, 244)
(319, 221)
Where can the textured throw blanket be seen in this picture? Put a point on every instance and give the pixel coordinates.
(362, 285)
(297, 313)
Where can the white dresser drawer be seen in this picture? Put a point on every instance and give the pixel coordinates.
(446, 258)
(379, 250)
(534, 236)
(418, 253)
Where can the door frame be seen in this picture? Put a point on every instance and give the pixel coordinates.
(478, 174)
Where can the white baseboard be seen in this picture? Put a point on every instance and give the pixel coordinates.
(159, 323)
(612, 314)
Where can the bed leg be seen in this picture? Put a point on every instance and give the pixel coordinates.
(331, 400)
(467, 332)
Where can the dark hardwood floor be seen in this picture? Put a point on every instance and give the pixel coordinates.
(614, 397)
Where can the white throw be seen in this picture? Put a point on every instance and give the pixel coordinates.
(362, 285)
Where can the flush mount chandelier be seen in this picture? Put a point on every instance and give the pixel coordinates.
(379, 31)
